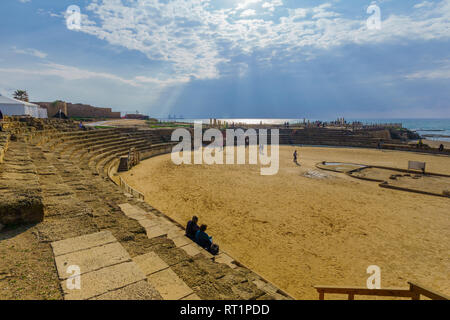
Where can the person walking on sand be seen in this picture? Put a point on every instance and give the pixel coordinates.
(295, 156)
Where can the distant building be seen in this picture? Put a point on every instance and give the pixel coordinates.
(136, 116)
(55, 109)
(78, 110)
(14, 107)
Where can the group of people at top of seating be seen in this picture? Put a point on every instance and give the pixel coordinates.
(199, 235)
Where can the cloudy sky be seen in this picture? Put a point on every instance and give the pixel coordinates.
(232, 58)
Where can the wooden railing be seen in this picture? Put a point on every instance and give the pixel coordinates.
(414, 292)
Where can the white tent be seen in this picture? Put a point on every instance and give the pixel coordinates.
(14, 107)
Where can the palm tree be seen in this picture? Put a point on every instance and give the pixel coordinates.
(21, 95)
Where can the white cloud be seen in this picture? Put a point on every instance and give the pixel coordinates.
(248, 13)
(245, 3)
(193, 40)
(424, 4)
(437, 73)
(73, 73)
(270, 5)
(30, 52)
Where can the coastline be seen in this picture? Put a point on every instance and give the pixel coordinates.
(435, 143)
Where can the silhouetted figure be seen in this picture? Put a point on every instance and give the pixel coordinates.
(295, 156)
(192, 228)
(441, 148)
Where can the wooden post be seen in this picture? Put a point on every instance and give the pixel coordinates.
(321, 295)
(414, 294)
(351, 296)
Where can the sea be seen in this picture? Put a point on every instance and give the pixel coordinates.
(432, 129)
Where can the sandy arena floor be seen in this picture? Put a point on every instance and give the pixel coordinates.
(303, 226)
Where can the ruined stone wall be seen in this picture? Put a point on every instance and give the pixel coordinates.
(53, 107)
(77, 110)
(381, 134)
(137, 116)
(87, 111)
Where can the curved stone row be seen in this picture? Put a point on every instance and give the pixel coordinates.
(70, 170)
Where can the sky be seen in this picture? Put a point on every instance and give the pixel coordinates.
(232, 58)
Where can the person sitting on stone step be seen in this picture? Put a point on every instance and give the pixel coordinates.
(81, 126)
(202, 238)
(192, 228)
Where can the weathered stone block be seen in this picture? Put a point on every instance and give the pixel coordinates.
(16, 209)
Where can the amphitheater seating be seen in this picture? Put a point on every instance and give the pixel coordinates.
(4, 139)
(20, 193)
(323, 136)
(68, 173)
(94, 149)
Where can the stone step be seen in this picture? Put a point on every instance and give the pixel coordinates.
(20, 190)
(169, 285)
(162, 270)
(103, 268)
(160, 276)
(81, 202)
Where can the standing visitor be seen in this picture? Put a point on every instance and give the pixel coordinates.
(295, 156)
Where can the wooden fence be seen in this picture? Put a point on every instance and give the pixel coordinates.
(414, 292)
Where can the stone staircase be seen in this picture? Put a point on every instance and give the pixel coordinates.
(103, 267)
